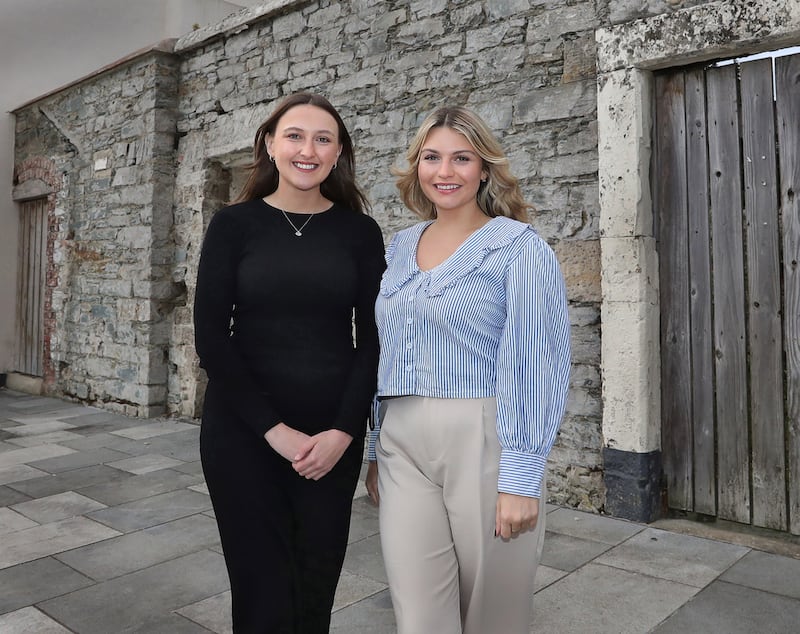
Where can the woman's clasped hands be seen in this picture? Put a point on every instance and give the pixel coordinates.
(312, 457)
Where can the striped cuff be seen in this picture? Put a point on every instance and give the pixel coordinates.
(374, 429)
(371, 439)
(521, 473)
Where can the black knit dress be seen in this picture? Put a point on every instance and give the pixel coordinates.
(274, 332)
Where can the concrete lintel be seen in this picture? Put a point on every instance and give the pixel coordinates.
(232, 134)
(694, 34)
(30, 189)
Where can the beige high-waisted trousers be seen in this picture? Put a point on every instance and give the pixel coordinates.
(437, 477)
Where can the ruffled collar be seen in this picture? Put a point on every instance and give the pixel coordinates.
(495, 234)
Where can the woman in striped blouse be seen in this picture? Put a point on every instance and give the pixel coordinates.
(474, 368)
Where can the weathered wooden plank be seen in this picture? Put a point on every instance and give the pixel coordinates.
(733, 451)
(787, 91)
(702, 341)
(670, 203)
(41, 268)
(19, 348)
(765, 336)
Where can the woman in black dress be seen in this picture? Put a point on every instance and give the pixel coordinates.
(283, 272)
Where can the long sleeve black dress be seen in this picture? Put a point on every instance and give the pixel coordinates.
(274, 332)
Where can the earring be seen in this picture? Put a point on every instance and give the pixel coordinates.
(336, 164)
(271, 158)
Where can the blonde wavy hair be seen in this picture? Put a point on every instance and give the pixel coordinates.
(499, 195)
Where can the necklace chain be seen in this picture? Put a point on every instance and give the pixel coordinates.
(297, 232)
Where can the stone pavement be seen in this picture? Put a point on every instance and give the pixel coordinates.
(106, 526)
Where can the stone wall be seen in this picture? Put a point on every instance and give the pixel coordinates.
(151, 148)
(113, 139)
(527, 68)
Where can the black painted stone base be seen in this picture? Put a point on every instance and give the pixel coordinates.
(633, 484)
(2, 380)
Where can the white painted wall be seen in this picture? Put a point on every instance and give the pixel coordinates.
(46, 44)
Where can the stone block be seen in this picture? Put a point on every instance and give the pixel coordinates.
(503, 9)
(630, 270)
(579, 59)
(631, 376)
(576, 99)
(560, 19)
(580, 265)
(624, 146)
(289, 25)
(425, 8)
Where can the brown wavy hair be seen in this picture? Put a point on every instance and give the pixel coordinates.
(340, 185)
(499, 195)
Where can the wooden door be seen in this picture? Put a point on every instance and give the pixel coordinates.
(726, 185)
(31, 287)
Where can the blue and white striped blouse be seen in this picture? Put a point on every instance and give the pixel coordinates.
(491, 320)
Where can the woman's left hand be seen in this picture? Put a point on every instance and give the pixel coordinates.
(515, 514)
(320, 453)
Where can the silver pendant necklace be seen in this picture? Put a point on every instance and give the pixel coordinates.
(297, 232)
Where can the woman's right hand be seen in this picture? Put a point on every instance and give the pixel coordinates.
(372, 483)
(286, 441)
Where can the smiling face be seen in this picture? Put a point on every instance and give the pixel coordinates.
(305, 147)
(450, 171)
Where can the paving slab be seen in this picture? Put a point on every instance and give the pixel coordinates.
(145, 463)
(9, 496)
(604, 600)
(50, 438)
(194, 468)
(142, 549)
(60, 413)
(151, 511)
(126, 487)
(78, 460)
(353, 588)
(373, 615)
(74, 480)
(11, 521)
(564, 552)
(133, 599)
(36, 429)
(768, 572)
(96, 439)
(31, 454)
(35, 581)
(57, 507)
(731, 609)
(200, 488)
(150, 430)
(364, 558)
(213, 613)
(41, 541)
(682, 558)
(29, 620)
(94, 420)
(598, 528)
(545, 576)
(18, 473)
(167, 624)
(363, 520)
